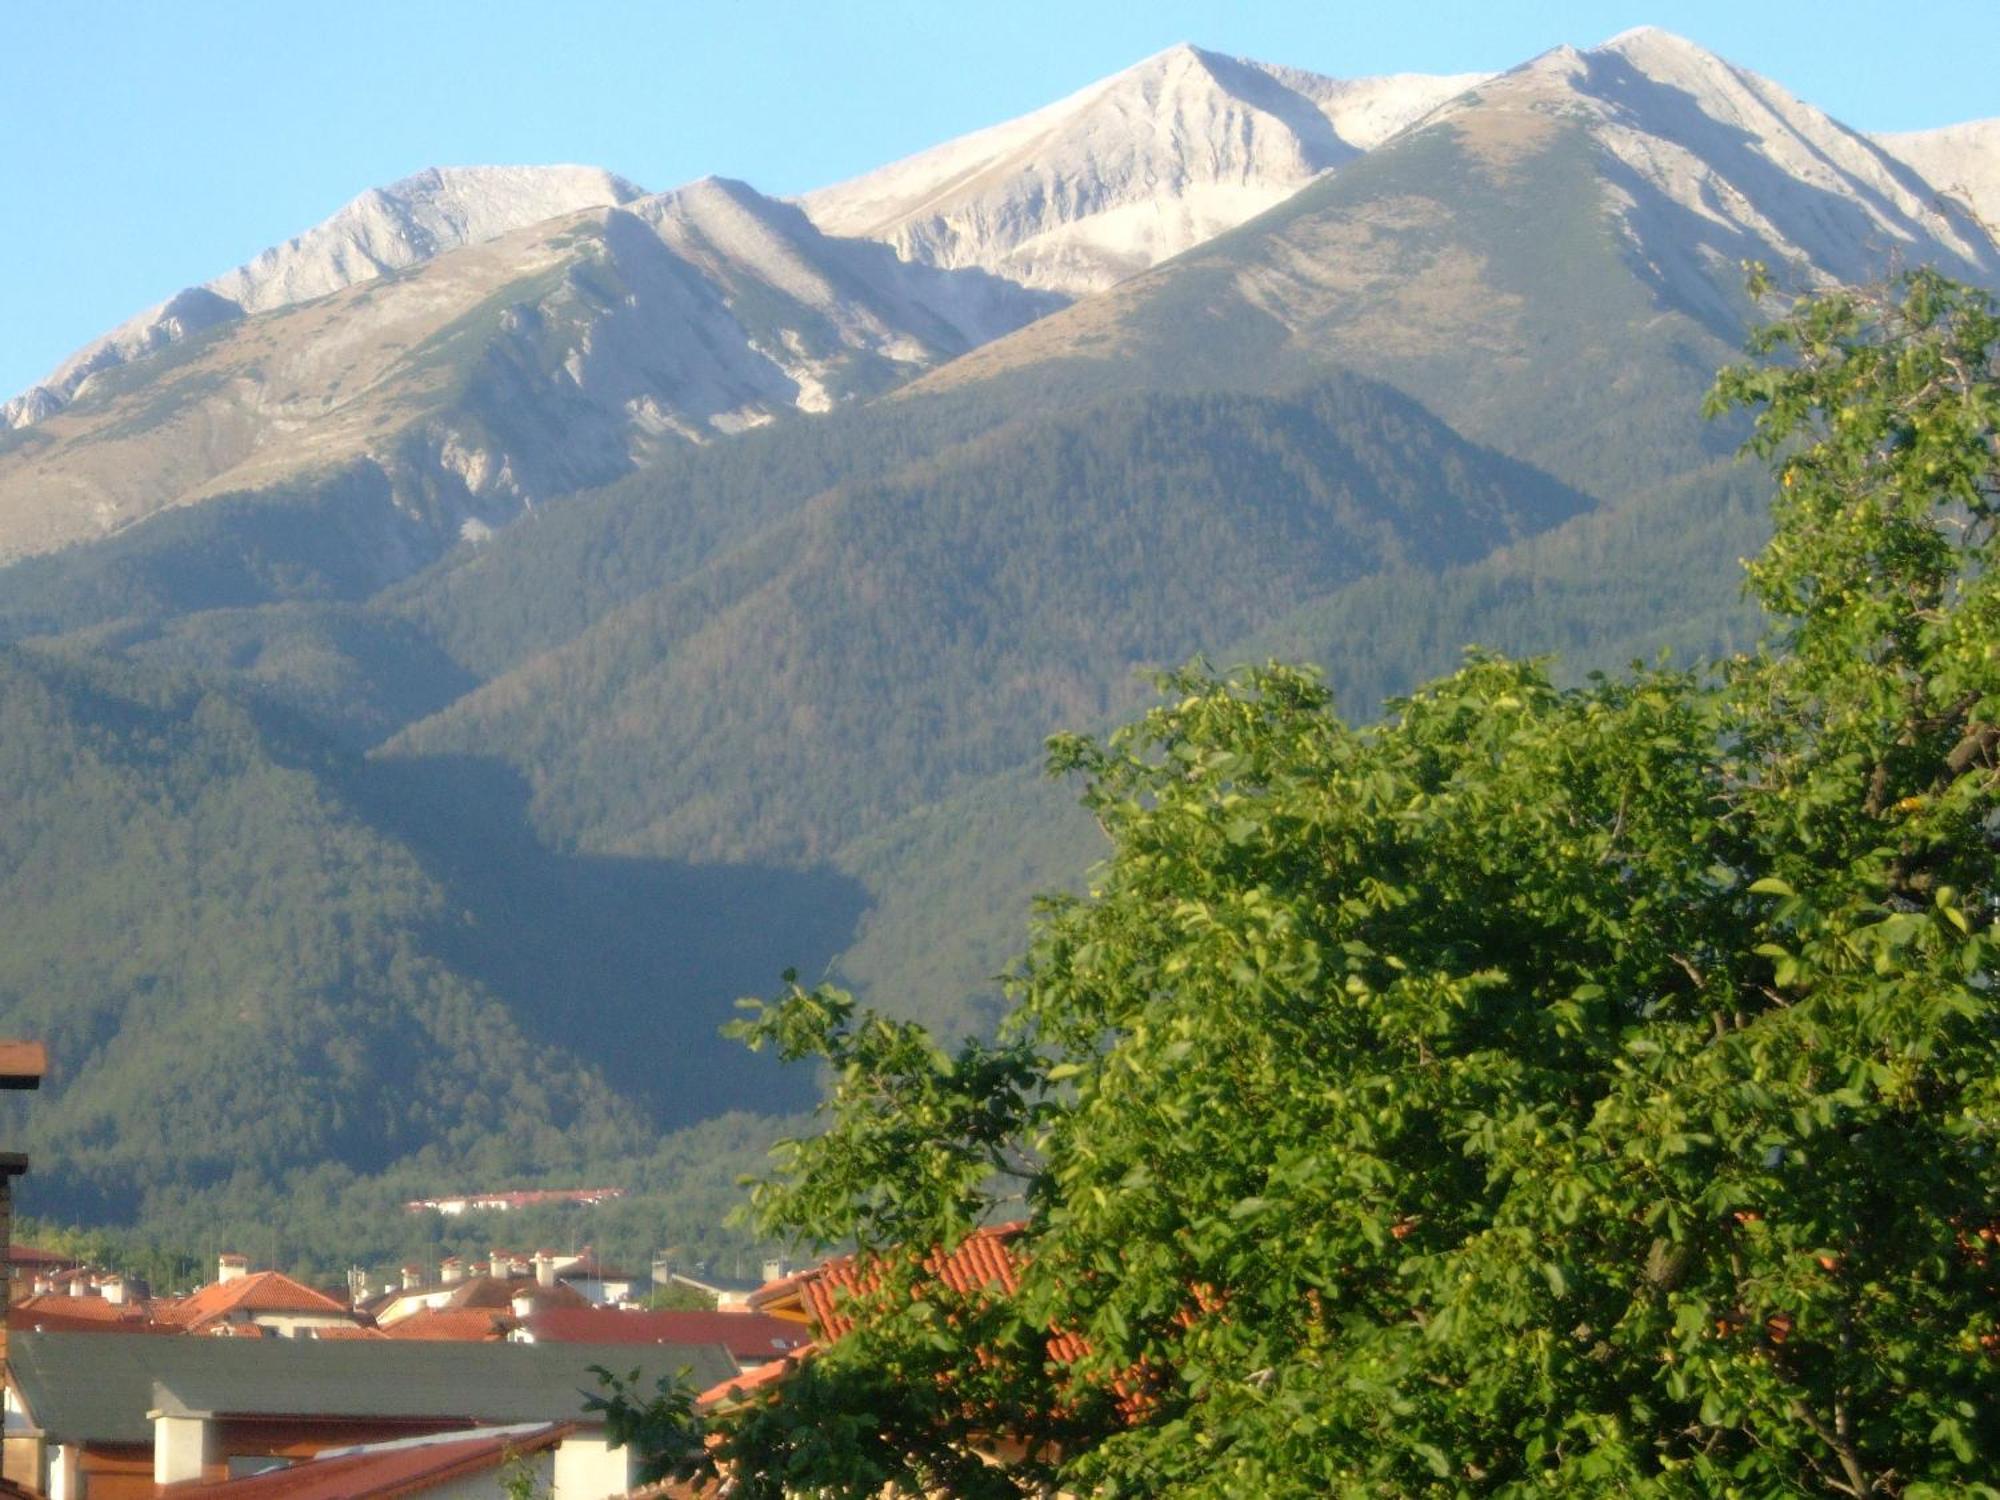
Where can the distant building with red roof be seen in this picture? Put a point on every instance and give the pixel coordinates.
(464, 1325)
(506, 1202)
(243, 1303)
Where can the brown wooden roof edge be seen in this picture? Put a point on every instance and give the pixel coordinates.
(23, 1065)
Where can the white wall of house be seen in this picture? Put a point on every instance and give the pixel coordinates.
(288, 1325)
(611, 1293)
(587, 1467)
(182, 1447)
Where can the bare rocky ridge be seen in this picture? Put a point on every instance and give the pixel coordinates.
(1961, 160)
(492, 337)
(385, 229)
(1128, 172)
(1697, 165)
(497, 375)
(1710, 165)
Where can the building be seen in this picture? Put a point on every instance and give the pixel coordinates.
(109, 1416)
(440, 1466)
(604, 1285)
(723, 1291)
(455, 1290)
(245, 1303)
(506, 1202)
(22, 1066)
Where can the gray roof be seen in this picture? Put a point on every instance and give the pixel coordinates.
(98, 1387)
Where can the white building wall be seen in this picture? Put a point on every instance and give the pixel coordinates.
(182, 1448)
(587, 1467)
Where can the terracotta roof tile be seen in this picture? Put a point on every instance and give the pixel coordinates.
(53, 1313)
(386, 1470)
(263, 1292)
(467, 1325)
(736, 1387)
(986, 1258)
(983, 1259)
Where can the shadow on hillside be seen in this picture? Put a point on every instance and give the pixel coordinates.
(631, 963)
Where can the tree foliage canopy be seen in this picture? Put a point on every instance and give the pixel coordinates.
(1540, 1092)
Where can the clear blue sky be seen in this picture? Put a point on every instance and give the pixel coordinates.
(151, 144)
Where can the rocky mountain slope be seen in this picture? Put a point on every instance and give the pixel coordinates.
(1548, 258)
(487, 379)
(1962, 160)
(1128, 172)
(384, 230)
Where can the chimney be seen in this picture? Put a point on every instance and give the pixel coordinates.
(113, 1290)
(451, 1271)
(663, 1270)
(413, 1277)
(775, 1269)
(524, 1305)
(502, 1263)
(79, 1285)
(43, 1286)
(231, 1267)
(22, 1066)
(545, 1268)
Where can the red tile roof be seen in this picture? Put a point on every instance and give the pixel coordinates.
(30, 1255)
(52, 1312)
(263, 1292)
(736, 1387)
(386, 1470)
(497, 1292)
(468, 1325)
(748, 1336)
(983, 1259)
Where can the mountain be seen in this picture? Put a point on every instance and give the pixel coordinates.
(384, 230)
(256, 958)
(977, 600)
(1962, 160)
(444, 400)
(1550, 257)
(332, 729)
(1128, 172)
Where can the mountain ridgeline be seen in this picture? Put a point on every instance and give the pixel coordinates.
(447, 660)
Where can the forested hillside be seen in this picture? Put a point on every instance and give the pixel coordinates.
(252, 955)
(900, 637)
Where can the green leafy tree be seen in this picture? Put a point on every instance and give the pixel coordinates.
(661, 1428)
(1544, 1091)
